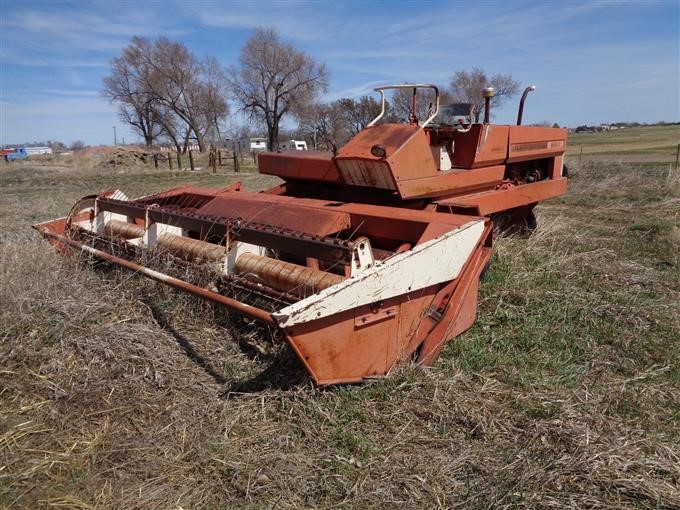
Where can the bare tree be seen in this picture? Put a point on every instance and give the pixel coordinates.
(57, 147)
(126, 86)
(402, 103)
(172, 129)
(78, 145)
(467, 87)
(326, 124)
(163, 90)
(358, 113)
(274, 79)
(332, 125)
(194, 91)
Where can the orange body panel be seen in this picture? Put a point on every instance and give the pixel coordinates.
(489, 202)
(299, 165)
(527, 143)
(483, 145)
(453, 181)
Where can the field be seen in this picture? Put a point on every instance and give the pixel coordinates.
(642, 144)
(116, 392)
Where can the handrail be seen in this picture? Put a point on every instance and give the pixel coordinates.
(406, 86)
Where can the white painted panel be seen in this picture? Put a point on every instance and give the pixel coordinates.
(103, 217)
(435, 261)
(238, 249)
(155, 230)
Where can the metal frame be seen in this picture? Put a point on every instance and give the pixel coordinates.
(382, 90)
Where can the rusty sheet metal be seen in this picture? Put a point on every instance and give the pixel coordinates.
(299, 165)
(489, 202)
(329, 248)
(407, 155)
(482, 145)
(391, 136)
(272, 212)
(366, 173)
(454, 181)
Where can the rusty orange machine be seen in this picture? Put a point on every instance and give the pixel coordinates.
(360, 258)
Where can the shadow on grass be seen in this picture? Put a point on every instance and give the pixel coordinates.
(282, 372)
(184, 343)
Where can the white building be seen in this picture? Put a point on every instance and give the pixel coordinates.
(258, 144)
(32, 151)
(293, 145)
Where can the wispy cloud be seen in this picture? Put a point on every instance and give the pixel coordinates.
(355, 91)
(72, 92)
(590, 60)
(301, 20)
(84, 29)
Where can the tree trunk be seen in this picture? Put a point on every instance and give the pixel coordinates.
(186, 140)
(200, 141)
(273, 136)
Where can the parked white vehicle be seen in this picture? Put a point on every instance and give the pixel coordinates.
(258, 144)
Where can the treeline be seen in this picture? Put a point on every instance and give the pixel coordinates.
(168, 95)
(620, 125)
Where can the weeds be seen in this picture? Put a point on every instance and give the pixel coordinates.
(116, 392)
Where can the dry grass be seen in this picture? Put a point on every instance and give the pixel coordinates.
(117, 393)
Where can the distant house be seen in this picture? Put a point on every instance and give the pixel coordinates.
(293, 145)
(32, 151)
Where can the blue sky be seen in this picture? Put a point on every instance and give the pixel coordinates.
(591, 62)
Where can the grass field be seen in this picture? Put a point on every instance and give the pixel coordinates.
(118, 393)
(641, 144)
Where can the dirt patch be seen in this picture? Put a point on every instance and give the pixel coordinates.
(123, 157)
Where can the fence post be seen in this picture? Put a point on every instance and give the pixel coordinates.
(155, 160)
(219, 157)
(677, 157)
(213, 159)
(169, 160)
(191, 160)
(236, 165)
(580, 154)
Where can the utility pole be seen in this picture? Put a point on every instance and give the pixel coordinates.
(115, 140)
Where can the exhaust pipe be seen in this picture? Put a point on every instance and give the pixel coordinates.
(488, 93)
(521, 103)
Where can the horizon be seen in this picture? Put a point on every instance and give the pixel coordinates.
(587, 71)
